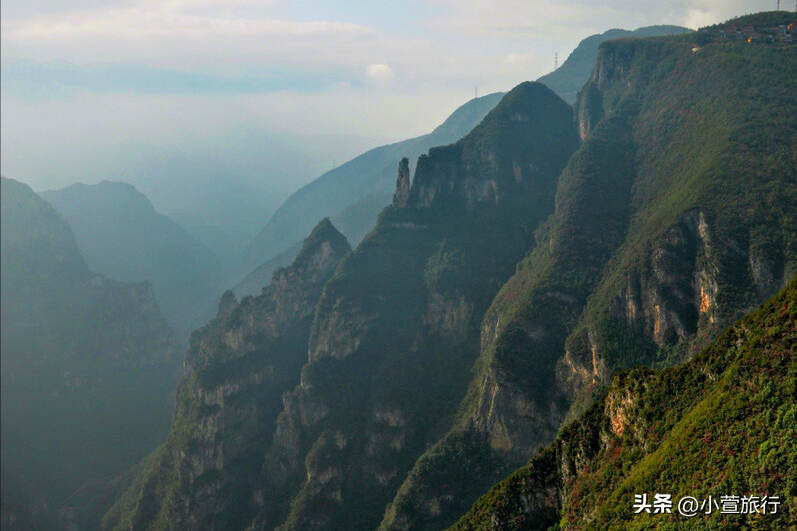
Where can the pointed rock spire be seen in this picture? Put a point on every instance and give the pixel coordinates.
(402, 184)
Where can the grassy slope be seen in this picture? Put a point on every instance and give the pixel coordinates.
(722, 424)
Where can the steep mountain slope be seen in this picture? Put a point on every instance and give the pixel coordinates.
(88, 365)
(208, 473)
(721, 425)
(394, 335)
(364, 184)
(122, 236)
(568, 79)
(253, 283)
(672, 219)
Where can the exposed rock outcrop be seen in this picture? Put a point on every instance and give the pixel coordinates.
(402, 184)
(237, 369)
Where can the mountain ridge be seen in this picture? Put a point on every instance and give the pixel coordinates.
(360, 215)
(370, 174)
(123, 237)
(88, 368)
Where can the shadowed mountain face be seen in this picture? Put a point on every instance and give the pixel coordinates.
(88, 366)
(236, 372)
(354, 193)
(122, 236)
(389, 353)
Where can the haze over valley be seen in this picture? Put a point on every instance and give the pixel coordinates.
(421, 265)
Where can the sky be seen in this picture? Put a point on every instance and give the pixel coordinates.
(269, 93)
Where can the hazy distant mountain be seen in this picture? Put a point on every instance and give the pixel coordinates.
(356, 191)
(88, 365)
(122, 236)
(568, 79)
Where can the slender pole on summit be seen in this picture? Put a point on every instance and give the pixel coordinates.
(556, 58)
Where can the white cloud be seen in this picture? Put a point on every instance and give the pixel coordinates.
(380, 73)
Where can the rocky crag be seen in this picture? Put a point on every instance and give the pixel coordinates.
(209, 472)
(721, 425)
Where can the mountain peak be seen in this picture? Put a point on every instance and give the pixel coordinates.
(324, 243)
(527, 134)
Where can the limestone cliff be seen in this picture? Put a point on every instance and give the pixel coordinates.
(396, 330)
(670, 432)
(209, 473)
(402, 184)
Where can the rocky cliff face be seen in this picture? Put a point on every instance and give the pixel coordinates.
(402, 184)
(668, 432)
(674, 286)
(647, 256)
(209, 472)
(396, 330)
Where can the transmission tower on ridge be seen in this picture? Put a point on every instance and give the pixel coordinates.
(556, 58)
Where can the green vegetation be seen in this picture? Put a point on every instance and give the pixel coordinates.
(723, 424)
(574, 73)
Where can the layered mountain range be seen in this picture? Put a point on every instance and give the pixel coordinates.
(513, 275)
(88, 370)
(123, 237)
(354, 193)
